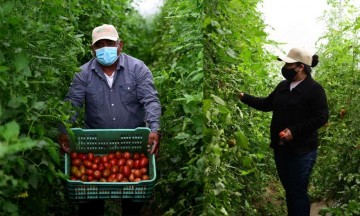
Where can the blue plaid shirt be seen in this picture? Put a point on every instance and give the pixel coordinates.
(131, 102)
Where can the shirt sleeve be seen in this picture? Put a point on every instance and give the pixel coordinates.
(148, 97)
(77, 90)
(75, 96)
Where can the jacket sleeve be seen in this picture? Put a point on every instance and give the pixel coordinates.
(148, 97)
(259, 103)
(319, 116)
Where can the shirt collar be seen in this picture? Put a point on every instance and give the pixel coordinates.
(95, 65)
(303, 86)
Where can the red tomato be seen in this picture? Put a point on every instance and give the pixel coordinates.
(136, 164)
(84, 178)
(101, 167)
(82, 156)
(113, 161)
(114, 169)
(97, 159)
(142, 155)
(104, 158)
(73, 155)
(76, 162)
(73, 169)
(111, 155)
(119, 177)
(111, 178)
(127, 155)
(125, 171)
(131, 177)
(144, 162)
(78, 174)
(94, 166)
(137, 173)
(106, 173)
(282, 134)
(90, 156)
(136, 156)
(107, 165)
(97, 174)
(121, 162)
(73, 178)
(82, 169)
(137, 179)
(89, 172)
(113, 175)
(130, 162)
(90, 178)
(143, 170)
(87, 163)
(145, 177)
(118, 154)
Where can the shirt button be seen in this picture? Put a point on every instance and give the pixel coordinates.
(113, 119)
(112, 104)
(128, 88)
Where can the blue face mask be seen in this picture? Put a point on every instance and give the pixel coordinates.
(106, 55)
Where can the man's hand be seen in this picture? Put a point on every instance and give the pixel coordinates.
(154, 141)
(63, 140)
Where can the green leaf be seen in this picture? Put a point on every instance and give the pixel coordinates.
(16, 101)
(9, 207)
(241, 139)
(3, 68)
(223, 210)
(54, 155)
(218, 100)
(200, 163)
(207, 21)
(39, 105)
(21, 62)
(10, 131)
(231, 52)
(182, 135)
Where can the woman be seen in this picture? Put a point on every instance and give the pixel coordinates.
(299, 109)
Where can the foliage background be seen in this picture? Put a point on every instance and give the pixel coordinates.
(337, 174)
(214, 157)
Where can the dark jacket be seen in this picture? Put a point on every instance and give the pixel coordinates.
(302, 110)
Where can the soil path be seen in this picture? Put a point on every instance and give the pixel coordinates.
(317, 206)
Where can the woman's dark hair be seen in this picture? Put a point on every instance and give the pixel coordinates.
(307, 68)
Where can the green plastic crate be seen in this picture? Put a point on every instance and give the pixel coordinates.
(104, 141)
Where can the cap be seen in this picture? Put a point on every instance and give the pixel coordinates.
(104, 32)
(297, 55)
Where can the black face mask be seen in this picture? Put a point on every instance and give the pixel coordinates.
(289, 74)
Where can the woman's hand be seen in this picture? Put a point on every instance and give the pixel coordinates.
(286, 135)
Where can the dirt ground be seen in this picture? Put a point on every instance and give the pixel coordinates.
(317, 206)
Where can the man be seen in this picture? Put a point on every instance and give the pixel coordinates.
(116, 89)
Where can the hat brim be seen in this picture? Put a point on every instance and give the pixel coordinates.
(105, 37)
(286, 59)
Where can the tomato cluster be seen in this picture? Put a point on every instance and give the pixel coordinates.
(113, 167)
